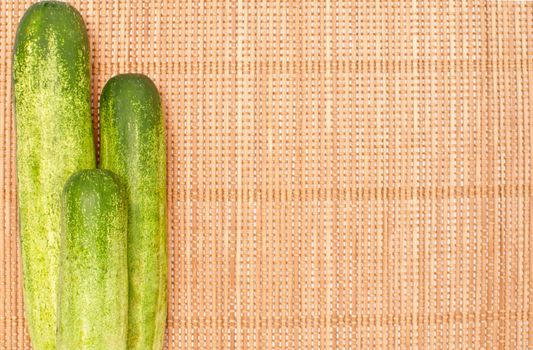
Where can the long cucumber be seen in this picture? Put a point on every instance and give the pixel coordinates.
(52, 103)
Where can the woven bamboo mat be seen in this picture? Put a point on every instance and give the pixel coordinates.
(342, 174)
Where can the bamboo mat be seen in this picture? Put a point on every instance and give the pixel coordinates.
(342, 174)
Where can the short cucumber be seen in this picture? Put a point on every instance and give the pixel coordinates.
(133, 146)
(52, 103)
(93, 273)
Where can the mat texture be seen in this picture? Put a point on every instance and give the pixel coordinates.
(342, 174)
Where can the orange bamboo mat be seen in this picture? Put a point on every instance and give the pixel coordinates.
(342, 174)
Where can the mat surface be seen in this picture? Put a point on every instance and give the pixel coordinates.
(342, 174)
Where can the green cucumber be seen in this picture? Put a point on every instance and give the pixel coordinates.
(132, 140)
(93, 269)
(52, 103)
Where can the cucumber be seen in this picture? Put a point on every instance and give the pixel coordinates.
(54, 134)
(132, 140)
(93, 269)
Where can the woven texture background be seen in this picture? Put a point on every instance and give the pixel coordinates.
(342, 174)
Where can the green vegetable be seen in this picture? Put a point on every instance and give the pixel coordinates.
(93, 270)
(133, 146)
(51, 76)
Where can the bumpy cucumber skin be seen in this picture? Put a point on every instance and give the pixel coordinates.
(132, 139)
(52, 103)
(93, 270)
